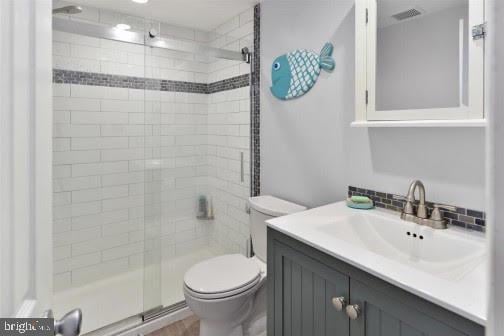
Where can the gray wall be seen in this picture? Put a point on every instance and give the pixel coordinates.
(309, 152)
(302, 148)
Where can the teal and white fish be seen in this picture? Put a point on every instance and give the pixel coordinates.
(295, 73)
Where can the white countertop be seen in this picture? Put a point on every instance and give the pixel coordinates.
(460, 289)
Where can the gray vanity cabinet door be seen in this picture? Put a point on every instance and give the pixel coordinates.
(304, 289)
(382, 316)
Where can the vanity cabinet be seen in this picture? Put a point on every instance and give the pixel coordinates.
(303, 290)
(306, 289)
(384, 316)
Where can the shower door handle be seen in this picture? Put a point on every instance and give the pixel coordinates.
(242, 167)
(69, 325)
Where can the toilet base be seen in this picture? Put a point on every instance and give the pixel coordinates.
(212, 328)
(232, 327)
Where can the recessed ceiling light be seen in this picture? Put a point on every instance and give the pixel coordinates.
(123, 26)
(140, 1)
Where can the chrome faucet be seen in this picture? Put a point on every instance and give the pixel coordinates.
(421, 217)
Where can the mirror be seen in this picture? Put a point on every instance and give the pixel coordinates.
(421, 54)
(418, 61)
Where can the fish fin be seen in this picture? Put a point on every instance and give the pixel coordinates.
(327, 63)
(327, 50)
(326, 60)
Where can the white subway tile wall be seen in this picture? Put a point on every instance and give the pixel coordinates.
(127, 159)
(229, 137)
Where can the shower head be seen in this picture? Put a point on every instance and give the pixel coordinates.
(69, 10)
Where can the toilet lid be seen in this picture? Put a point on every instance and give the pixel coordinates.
(222, 274)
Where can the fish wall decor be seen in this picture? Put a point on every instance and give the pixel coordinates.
(295, 73)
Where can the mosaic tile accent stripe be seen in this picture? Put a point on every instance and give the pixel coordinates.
(255, 105)
(229, 84)
(465, 218)
(98, 79)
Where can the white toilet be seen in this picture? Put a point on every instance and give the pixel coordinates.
(221, 290)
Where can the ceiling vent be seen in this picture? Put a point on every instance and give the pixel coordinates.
(407, 14)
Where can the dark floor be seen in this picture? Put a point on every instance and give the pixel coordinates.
(187, 327)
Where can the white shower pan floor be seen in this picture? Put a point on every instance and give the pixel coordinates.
(116, 298)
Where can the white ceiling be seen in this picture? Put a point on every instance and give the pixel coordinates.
(387, 8)
(199, 14)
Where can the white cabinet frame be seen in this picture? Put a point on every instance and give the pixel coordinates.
(365, 76)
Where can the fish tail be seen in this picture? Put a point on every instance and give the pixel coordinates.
(326, 61)
(327, 50)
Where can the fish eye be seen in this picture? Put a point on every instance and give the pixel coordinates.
(276, 66)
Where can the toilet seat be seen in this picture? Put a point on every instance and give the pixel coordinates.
(222, 277)
(222, 295)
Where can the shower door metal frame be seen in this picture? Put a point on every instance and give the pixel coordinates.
(112, 33)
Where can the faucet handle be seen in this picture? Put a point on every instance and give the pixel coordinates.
(399, 197)
(408, 206)
(436, 213)
(445, 207)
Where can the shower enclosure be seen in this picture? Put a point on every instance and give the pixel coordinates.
(152, 158)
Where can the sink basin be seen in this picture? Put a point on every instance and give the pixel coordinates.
(449, 254)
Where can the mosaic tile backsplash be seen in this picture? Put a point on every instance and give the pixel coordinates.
(465, 218)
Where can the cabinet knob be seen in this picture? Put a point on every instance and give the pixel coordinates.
(339, 303)
(353, 311)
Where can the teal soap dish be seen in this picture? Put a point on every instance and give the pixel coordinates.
(361, 206)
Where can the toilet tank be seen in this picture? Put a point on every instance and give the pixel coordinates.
(263, 208)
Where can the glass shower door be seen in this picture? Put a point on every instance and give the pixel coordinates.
(106, 195)
(200, 98)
